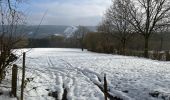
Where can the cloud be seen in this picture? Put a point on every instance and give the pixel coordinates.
(69, 12)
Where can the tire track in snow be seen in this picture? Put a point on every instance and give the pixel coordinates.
(93, 78)
(64, 90)
(64, 84)
(98, 82)
(95, 82)
(70, 67)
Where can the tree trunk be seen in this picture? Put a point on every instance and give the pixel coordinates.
(82, 45)
(123, 47)
(82, 48)
(161, 44)
(146, 54)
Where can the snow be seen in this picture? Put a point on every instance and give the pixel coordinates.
(5, 88)
(5, 95)
(81, 74)
(58, 34)
(69, 31)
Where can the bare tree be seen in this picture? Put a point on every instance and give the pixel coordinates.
(79, 35)
(116, 20)
(10, 18)
(147, 16)
(105, 29)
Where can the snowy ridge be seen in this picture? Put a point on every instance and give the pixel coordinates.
(69, 31)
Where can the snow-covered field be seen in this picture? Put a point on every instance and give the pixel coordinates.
(78, 75)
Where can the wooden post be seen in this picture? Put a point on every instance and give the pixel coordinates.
(23, 77)
(14, 80)
(105, 87)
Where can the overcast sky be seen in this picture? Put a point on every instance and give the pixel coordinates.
(65, 12)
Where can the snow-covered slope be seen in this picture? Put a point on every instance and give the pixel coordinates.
(69, 31)
(78, 75)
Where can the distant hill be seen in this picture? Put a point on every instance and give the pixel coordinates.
(35, 31)
(44, 30)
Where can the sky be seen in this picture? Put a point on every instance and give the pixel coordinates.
(65, 12)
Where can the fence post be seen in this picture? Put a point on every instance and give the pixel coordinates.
(23, 77)
(14, 80)
(105, 87)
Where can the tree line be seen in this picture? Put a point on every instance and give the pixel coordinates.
(128, 18)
